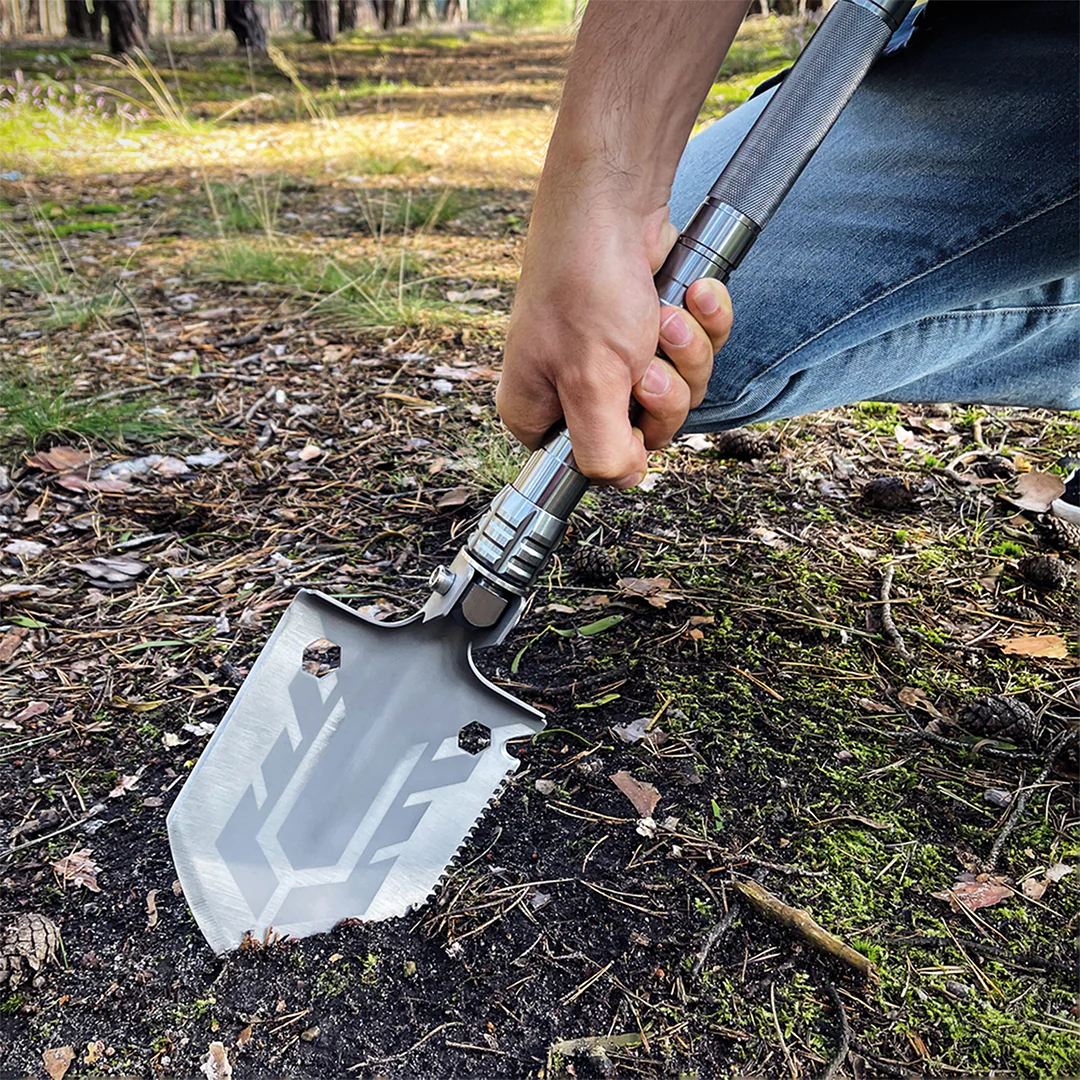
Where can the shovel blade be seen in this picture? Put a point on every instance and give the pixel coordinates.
(340, 786)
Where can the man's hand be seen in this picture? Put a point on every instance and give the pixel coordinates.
(586, 322)
(583, 338)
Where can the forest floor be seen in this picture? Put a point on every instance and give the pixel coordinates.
(250, 353)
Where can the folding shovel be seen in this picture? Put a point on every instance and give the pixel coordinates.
(358, 755)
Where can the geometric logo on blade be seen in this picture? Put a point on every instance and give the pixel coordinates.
(338, 794)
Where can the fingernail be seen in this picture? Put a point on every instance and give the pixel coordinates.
(708, 303)
(675, 331)
(656, 380)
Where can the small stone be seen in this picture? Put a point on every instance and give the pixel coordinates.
(997, 797)
(545, 787)
(310, 1034)
(957, 989)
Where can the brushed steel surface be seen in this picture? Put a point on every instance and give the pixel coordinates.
(345, 795)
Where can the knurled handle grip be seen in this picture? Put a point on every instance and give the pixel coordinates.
(527, 519)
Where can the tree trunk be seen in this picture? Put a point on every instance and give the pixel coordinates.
(346, 15)
(408, 12)
(33, 17)
(125, 25)
(81, 22)
(242, 18)
(384, 12)
(322, 20)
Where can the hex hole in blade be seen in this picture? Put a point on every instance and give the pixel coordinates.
(474, 738)
(321, 657)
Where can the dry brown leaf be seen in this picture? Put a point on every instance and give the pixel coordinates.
(103, 485)
(652, 590)
(11, 642)
(59, 459)
(915, 698)
(35, 708)
(1033, 887)
(1051, 646)
(1037, 490)
(95, 1051)
(644, 796)
(973, 895)
(78, 869)
(458, 496)
(58, 1060)
(1059, 871)
(244, 1036)
(151, 909)
(126, 783)
(115, 568)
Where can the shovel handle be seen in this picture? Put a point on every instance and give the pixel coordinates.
(515, 539)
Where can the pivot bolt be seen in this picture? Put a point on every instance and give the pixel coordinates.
(442, 580)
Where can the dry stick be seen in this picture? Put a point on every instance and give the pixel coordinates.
(715, 934)
(838, 1062)
(888, 627)
(802, 923)
(1017, 811)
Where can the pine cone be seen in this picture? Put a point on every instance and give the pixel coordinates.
(741, 444)
(997, 717)
(26, 945)
(592, 565)
(1059, 533)
(1045, 572)
(887, 493)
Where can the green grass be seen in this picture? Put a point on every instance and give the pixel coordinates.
(386, 293)
(35, 408)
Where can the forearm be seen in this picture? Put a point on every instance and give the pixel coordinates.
(638, 75)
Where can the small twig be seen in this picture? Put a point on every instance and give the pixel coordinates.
(838, 1062)
(405, 1053)
(12, 852)
(715, 934)
(981, 747)
(1021, 801)
(804, 925)
(888, 626)
(841, 1055)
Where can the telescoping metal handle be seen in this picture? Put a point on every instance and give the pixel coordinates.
(527, 519)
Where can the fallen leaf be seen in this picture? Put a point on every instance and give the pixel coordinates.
(207, 459)
(333, 354)
(1059, 871)
(115, 568)
(649, 481)
(770, 538)
(103, 486)
(151, 909)
(216, 1064)
(1051, 646)
(458, 496)
(35, 708)
(1033, 887)
(78, 869)
(643, 795)
(973, 895)
(26, 549)
(1037, 490)
(310, 452)
(125, 784)
(11, 642)
(652, 590)
(58, 1060)
(59, 459)
(472, 294)
(695, 443)
(633, 732)
(244, 1036)
(919, 699)
(95, 1050)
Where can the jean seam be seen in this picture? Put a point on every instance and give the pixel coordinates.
(918, 277)
(1035, 309)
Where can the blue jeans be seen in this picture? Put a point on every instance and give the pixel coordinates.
(930, 250)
